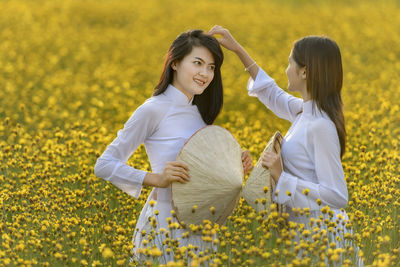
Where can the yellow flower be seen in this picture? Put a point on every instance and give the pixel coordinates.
(58, 255)
(96, 263)
(152, 203)
(121, 262)
(107, 253)
(82, 242)
(194, 208)
(306, 191)
(212, 209)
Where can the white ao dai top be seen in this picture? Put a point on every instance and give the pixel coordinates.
(311, 160)
(310, 152)
(163, 123)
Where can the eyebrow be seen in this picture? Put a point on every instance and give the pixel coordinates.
(199, 58)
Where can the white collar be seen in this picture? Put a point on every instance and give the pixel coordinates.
(177, 96)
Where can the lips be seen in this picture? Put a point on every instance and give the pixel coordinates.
(199, 81)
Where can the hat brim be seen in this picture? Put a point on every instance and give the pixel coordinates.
(213, 157)
(260, 177)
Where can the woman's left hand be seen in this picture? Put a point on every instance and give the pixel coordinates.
(247, 162)
(273, 162)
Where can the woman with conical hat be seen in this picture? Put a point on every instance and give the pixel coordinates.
(188, 97)
(312, 174)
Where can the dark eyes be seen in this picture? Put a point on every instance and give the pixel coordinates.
(197, 62)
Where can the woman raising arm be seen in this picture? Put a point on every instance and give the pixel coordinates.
(312, 173)
(312, 148)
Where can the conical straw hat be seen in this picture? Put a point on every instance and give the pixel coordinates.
(260, 178)
(213, 157)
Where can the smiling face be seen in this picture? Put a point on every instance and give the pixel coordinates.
(194, 72)
(296, 76)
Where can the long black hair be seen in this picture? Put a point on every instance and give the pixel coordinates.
(322, 59)
(210, 101)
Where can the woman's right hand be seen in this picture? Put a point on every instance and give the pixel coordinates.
(230, 43)
(227, 39)
(174, 171)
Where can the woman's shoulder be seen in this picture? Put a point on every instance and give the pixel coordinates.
(321, 124)
(323, 129)
(155, 104)
(152, 109)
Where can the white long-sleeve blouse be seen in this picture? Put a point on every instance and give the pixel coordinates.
(310, 150)
(163, 123)
(311, 159)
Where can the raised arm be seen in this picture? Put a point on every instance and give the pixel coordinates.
(230, 43)
(260, 84)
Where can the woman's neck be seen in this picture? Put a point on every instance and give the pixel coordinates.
(305, 95)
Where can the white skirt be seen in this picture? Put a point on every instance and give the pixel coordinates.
(148, 235)
(335, 234)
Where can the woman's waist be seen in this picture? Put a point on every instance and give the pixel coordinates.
(162, 194)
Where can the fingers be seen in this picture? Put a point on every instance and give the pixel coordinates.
(216, 29)
(269, 159)
(178, 179)
(246, 157)
(249, 165)
(247, 162)
(178, 164)
(219, 30)
(247, 168)
(177, 171)
(266, 164)
(245, 154)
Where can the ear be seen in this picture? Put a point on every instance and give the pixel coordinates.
(173, 65)
(303, 73)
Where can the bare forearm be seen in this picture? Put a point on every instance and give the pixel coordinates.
(247, 61)
(174, 171)
(151, 179)
(230, 43)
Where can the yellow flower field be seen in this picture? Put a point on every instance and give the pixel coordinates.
(72, 72)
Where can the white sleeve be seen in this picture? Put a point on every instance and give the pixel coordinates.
(331, 189)
(112, 164)
(284, 105)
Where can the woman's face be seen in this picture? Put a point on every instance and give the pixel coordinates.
(296, 76)
(194, 72)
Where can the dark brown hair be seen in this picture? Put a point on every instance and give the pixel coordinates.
(322, 59)
(210, 101)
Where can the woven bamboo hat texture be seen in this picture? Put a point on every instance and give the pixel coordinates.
(260, 178)
(213, 157)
